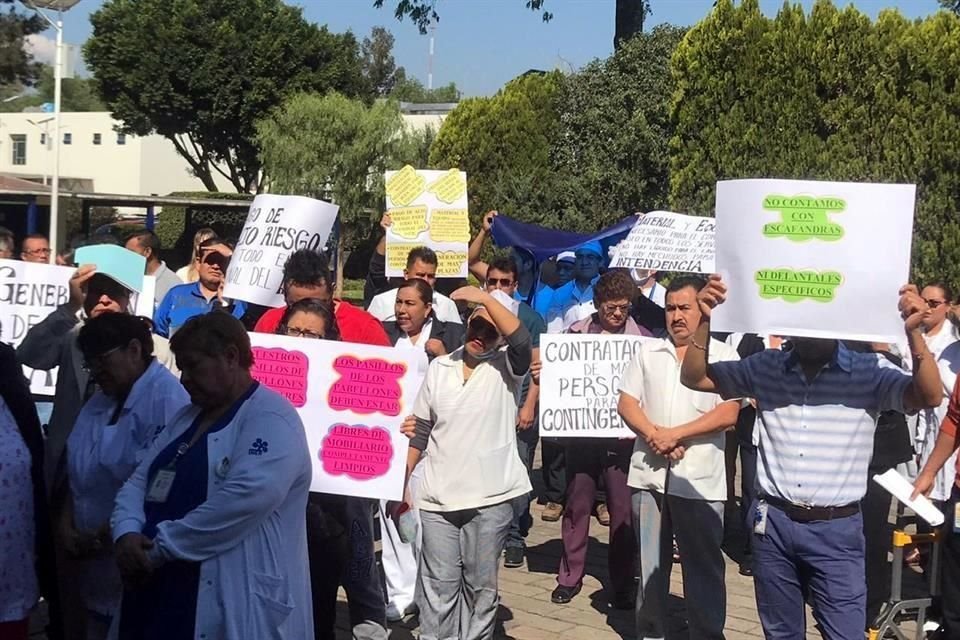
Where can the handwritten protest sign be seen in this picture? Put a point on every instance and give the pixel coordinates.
(276, 226)
(428, 208)
(352, 399)
(29, 292)
(580, 384)
(666, 241)
(816, 259)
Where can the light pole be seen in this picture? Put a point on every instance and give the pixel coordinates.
(59, 6)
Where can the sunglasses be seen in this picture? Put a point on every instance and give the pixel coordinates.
(501, 282)
(613, 308)
(933, 304)
(482, 329)
(216, 259)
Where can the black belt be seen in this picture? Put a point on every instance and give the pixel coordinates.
(803, 513)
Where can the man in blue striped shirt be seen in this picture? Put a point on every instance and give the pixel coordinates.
(818, 405)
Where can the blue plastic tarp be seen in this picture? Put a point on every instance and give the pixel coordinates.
(545, 243)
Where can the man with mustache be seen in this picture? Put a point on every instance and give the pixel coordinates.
(818, 405)
(677, 472)
(185, 301)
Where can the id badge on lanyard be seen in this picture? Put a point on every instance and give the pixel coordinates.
(956, 517)
(161, 484)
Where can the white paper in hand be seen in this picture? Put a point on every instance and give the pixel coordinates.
(901, 489)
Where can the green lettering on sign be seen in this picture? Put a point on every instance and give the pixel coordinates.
(796, 286)
(803, 218)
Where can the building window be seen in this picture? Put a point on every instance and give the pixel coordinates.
(18, 143)
(121, 138)
(96, 138)
(68, 138)
(43, 138)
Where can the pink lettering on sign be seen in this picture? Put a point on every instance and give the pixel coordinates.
(366, 386)
(357, 451)
(283, 371)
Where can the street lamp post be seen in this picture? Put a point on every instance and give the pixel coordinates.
(59, 6)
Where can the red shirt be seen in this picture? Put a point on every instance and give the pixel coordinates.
(950, 422)
(356, 325)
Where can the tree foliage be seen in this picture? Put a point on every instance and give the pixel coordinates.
(379, 68)
(17, 65)
(78, 94)
(202, 72)
(827, 95)
(412, 90)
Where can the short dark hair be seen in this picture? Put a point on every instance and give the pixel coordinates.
(7, 239)
(306, 267)
(148, 239)
(211, 334)
(111, 330)
(34, 236)
(425, 255)
(505, 264)
(316, 307)
(424, 290)
(615, 284)
(682, 282)
(943, 286)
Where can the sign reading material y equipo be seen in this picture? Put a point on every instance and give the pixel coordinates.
(580, 384)
(276, 226)
(428, 208)
(666, 241)
(352, 399)
(29, 292)
(815, 259)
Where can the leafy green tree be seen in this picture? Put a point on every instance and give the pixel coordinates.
(78, 94)
(503, 144)
(412, 90)
(379, 67)
(202, 72)
(334, 147)
(17, 65)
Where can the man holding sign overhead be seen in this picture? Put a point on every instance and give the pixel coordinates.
(818, 406)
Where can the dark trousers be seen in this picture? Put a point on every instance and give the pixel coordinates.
(522, 520)
(587, 462)
(554, 469)
(878, 541)
(950, 570)
(823, 559)
(748, 492)
(340, 546)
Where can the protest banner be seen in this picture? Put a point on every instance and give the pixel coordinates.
(29, 292)
(667, 241)
(276, 226)
(145, 304)
(580, 384)
(352, 399)
(815, 259)
(121, 265)
(428, 208)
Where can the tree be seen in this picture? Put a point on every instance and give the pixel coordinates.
(331, 146)
(202, 72)
(951, 5)
(629, 18)
(17, 65)
(503, 144)
(412, 90)
(379, 67)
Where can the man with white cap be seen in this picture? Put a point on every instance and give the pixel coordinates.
(574, 301)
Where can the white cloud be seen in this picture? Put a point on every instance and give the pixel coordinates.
(44, 49)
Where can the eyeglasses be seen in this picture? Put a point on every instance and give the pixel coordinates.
(294, 332)
(499, 282)
(933, 304)
(97, 362)
(38, 252)
(610, 309)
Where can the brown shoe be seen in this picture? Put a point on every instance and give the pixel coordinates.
(552, 512)
(603, 516)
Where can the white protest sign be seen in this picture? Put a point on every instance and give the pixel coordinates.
(580, 384)
(145, 303)
(666, 241)
(428, 208)
(29, 292)
(352, 399)
(815, 259)
(276, 226)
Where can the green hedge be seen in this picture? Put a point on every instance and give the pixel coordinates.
(177, 241)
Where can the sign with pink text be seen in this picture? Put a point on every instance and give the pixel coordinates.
(352, 399)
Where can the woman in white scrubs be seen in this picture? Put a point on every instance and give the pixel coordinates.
(136, 398)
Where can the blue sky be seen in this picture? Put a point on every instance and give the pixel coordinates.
(481, 44)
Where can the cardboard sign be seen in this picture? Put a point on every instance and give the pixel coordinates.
(580, 384)
(121, 265)
(428, 208)
(276, 226)
(352, 399)
(29, 292)
(666, 241)
(815, 259)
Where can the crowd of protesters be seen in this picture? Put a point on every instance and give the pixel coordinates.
(167, 493)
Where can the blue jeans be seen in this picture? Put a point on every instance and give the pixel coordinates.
(824, 559)
(522, 520)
